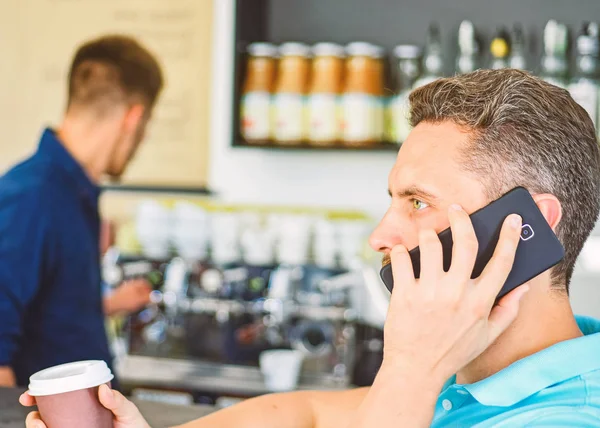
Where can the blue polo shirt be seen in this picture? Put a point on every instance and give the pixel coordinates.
(50, 289)
(556, 387)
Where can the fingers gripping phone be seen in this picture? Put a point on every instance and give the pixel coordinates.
(539, 249)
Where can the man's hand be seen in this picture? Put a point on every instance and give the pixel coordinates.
(129, 297)
(7, 377)
(125, 412)
(444, 320)
(439, 323)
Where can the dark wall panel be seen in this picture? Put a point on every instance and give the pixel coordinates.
(390, 22)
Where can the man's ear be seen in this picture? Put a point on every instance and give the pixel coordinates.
(133, 117)
(550, 207)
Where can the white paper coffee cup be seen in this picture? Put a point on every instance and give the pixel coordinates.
(67, 395)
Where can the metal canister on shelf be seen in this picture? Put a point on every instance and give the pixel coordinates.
(407, 71)
(518, 51)
(585, 84)
(433, 60)
(469, 56)
(554, 63)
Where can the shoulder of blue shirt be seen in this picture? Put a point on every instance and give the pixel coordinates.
(30, 179)
(558, 363)
(25, 191)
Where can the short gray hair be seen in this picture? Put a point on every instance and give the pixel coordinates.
(525, 132)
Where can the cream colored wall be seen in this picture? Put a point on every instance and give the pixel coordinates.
(11, 42)
(120, 207)
(37, 41)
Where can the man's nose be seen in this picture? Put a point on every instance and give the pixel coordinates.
(377, 240)
(386, 235)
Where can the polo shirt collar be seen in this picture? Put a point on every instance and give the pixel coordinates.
(536, 372)
(52, 149)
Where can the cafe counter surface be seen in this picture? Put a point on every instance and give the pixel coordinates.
(158, 415)
(207, 377)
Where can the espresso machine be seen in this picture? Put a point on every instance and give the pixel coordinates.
(228, 315)
(230, 285)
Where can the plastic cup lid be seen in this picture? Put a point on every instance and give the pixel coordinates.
(262, 49)
(69, 377)
(328, 49)
(294, 49)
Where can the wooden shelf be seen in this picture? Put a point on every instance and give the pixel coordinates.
(379, 147)
(157, 189)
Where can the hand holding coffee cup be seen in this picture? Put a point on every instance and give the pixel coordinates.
(78, 395)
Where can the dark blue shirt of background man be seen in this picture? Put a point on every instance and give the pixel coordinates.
(50, 286)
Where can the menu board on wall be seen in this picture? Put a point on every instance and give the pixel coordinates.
(175, 152)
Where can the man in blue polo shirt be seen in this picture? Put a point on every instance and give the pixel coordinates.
(51, 304)
(452, 358)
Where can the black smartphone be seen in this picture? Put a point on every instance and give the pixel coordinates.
(539, 249)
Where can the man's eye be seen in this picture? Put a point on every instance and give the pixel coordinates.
(419, 205)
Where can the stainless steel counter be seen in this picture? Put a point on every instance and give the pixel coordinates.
(158, 415)
(12, 414)
(209, 377)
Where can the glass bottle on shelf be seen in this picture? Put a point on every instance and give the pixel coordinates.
(378, 79)
(585, 83)
(555, 65)
(290, 91)
(433, 60)
(518, 51)
(407, 71)
(325, 88)
(468, 58)
(362, 94)
(500, 50)
(255, 108)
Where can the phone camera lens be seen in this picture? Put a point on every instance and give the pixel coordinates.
(526, 232)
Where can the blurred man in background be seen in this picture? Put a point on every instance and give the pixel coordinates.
(452, 356)
(51, 305)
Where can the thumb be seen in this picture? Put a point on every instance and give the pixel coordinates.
(27, 400)
(34, 421)
(505, 312)
(124, 410)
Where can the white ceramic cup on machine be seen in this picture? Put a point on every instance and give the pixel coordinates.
(190, 230)
(153, 229)
(281, 369)
(225, 237)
